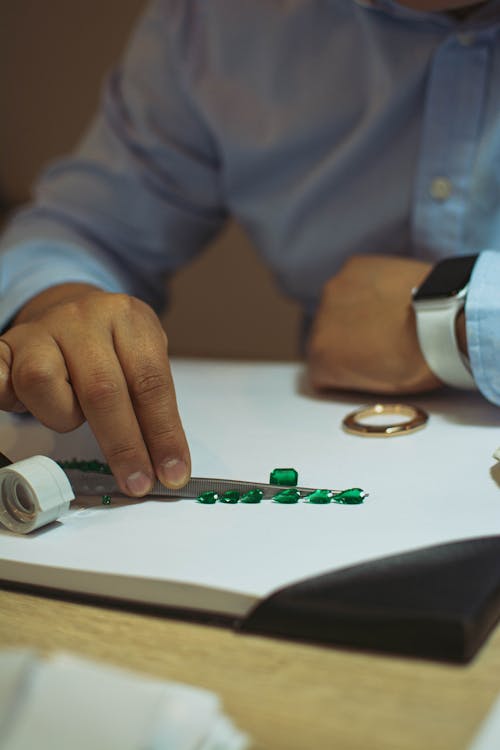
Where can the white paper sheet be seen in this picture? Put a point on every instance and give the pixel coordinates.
(69, 702)
(242, 420)
(488, 736)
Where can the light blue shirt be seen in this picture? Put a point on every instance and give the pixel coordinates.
(325, 127)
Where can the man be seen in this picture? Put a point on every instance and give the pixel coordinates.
(358, 144)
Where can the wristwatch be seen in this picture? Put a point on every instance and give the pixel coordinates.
(437, 302)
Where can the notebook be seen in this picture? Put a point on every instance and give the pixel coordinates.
(269, 566)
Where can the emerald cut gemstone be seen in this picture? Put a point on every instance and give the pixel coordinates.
(320, 497)
(287, 497)
(352, 496)
(284, 477)
(208, 498)
(252, 496)
(230, 497)
(106, 499)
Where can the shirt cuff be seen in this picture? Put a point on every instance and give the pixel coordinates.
(482, 314)
(29, 268)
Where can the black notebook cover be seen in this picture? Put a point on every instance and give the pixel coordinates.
(439, 602)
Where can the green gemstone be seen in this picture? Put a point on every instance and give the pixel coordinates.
(287, 497)
(352, 496)
(95, 465)
(320, 497)
(284, 477)
(252, 496)
(208, 498)
(230, 497)
(106, 499)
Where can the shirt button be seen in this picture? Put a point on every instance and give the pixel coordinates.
(440, 188)
(466, 38)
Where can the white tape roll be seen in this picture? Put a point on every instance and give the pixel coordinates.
(33, 493)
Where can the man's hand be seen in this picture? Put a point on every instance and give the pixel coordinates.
(364, 335)
(76, 353)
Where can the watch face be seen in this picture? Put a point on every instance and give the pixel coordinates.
(447, 278)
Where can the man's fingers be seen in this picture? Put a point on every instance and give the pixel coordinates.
(8, 398)
(141, 348)
(102, 391)
(40, 382)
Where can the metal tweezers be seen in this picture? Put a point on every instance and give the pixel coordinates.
(94, 483)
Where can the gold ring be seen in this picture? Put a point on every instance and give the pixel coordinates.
(417, 419)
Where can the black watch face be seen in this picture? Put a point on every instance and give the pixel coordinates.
(447, 278)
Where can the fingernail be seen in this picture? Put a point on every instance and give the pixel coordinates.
(173, 472)
(138, 483)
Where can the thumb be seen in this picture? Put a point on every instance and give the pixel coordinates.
(8, 398)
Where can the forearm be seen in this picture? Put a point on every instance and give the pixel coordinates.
(141, 193)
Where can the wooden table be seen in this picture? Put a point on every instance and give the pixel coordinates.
(286, 695)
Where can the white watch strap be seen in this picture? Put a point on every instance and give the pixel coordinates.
(438, 342)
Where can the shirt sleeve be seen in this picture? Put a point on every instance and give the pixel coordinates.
(140, 195)
(482, 313)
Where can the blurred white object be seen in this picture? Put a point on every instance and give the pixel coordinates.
(488, 737)
(496, 454)
(33, 493)
(69, 702)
